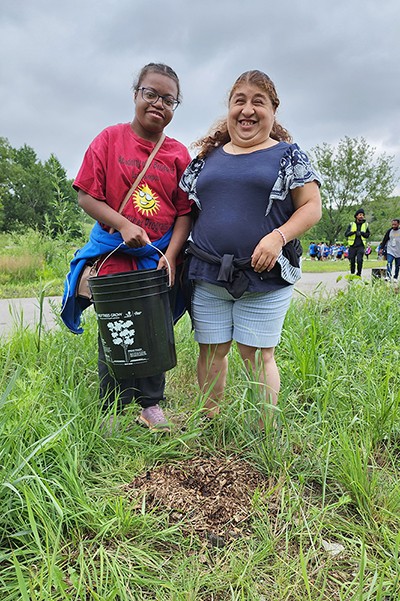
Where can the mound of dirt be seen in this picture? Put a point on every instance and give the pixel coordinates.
(211, 496)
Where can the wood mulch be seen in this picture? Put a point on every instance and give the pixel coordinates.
(209, 496)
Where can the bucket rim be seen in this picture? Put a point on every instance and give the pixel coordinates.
(110, 284)
(133, 272)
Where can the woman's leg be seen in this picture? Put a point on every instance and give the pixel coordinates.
(212, 320)
(212, 368)
(266, 369)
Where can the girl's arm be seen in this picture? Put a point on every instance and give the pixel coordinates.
(133, 235)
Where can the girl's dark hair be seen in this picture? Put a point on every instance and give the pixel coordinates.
(157, 68)
(218, 134)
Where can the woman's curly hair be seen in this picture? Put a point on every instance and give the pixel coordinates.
(219, 135)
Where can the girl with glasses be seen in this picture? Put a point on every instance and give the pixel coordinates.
(158, 211)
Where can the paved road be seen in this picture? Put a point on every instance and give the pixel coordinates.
(25, 311)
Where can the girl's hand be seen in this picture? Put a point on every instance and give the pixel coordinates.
(266, 252)
(162, 264)
(133, 235)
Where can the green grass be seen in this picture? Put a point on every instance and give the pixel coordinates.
(33, 262)
(329, 266)
(68, 531)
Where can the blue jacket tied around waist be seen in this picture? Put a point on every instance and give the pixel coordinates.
(101, 243)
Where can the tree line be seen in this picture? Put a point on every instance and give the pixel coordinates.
(35, 194)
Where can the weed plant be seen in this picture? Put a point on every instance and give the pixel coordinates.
(326, 526)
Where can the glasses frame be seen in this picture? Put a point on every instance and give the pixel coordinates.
(176, 101)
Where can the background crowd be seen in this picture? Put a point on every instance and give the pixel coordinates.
(323, 251)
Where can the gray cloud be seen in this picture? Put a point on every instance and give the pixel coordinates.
(67, 68)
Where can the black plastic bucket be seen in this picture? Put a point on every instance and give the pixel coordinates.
(135, 322)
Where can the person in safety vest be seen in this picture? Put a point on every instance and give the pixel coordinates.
(357, 231)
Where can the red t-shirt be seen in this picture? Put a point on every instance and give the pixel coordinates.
(110, 166)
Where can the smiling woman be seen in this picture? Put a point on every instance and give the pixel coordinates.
(257, 192)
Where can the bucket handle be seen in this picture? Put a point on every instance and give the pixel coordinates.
(108, 256)
(167, 262)
(152, 246)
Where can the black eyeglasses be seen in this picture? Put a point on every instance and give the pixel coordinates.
(151, 96)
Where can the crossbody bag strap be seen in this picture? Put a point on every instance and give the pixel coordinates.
(139, 177)
(141, 174)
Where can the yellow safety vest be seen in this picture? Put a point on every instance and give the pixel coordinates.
(353, 230)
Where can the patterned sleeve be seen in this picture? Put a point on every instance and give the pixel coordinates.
(295, 171)
(189, 179)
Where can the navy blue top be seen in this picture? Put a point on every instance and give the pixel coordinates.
(243, 198)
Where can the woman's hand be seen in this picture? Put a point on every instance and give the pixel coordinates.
(162, 264)
(266, 252)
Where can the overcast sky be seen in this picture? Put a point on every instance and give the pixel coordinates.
(67, 67)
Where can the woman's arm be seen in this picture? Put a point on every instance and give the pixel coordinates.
(133, 235)
(307, 204)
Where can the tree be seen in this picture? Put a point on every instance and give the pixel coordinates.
(36, 195)
(66, 215)
(353, 176)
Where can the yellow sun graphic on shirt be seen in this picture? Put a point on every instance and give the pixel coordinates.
(145, 200)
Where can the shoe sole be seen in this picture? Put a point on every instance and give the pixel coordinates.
(152, 428)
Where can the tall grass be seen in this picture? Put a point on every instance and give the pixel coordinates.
(68, 531)
(32, 261)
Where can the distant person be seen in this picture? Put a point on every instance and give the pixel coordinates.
(156, 213)
(368, 251)
(340, 251)
(257, 192)
(357, 231)
(390, 247)
(326, 251)
(313, 251)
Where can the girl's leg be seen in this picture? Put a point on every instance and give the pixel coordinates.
(146, 391)
(212, 368)
(149, 394)
(111, 389)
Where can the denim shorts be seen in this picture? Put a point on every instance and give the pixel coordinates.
(255, 319)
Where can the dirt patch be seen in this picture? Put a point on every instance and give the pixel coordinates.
(213, 496)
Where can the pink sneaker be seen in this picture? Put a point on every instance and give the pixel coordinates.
(154, 418)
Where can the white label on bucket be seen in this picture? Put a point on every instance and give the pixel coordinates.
(132, 314)
(109, 315)
(122, 334)
(136, 353)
